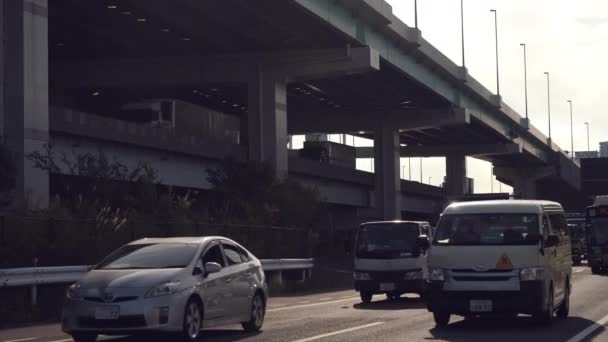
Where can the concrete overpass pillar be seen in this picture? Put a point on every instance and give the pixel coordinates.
(456, 174)
(386, 165)
(524, 180)
(25, 107)
(267, 120)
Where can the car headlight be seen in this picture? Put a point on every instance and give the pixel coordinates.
(413, 275)
(361, 276)
(163, 290)
(73, 292)
(436, 274)
(532, 273)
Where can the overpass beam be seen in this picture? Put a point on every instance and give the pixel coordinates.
(480, 150)
(24, 105)
(456, 174)
(387, 182)
(524, 180)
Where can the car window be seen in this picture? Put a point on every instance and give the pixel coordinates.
(214, 254)
(154, 255)
(233, 257)
(244, 255)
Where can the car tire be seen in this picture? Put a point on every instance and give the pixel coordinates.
(258, 312)
(596, 270)
(193, 320)
(546, 318)
(564, 309)
(84, 338)
(442, 319)
(366, 297)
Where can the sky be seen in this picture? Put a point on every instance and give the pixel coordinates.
(567, 38)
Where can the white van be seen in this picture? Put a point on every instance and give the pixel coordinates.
(390, 258)
(500, 257)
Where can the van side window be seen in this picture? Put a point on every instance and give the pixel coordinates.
(559, 225)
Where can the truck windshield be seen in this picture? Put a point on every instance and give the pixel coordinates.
(488, 229)
(387, 240)
(599, 229)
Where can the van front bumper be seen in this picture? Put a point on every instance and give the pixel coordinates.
(528, 300)
(399, 286)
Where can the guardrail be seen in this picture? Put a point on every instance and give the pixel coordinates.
(35, 276)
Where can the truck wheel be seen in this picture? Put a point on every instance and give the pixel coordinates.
(366, 297)
(442, 319)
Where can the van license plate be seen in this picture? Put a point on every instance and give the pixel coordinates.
(480, 306)
(107, 312)
(387, 287)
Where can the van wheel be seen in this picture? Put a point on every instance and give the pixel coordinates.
(442, 319)
(564, 309)
(546, 318)
(366, 297)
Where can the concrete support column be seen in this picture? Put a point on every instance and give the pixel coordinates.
(524, 180)
(267, 120)
(25, 111)
(386, 165)
(456, 174)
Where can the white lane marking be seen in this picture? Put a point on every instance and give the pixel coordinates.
(581, 270)
(303, 302)
(318, 337)
(23, 339)
(590, 329)
(314, 304)
(328, 298)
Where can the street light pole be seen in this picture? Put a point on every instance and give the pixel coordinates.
(416, 13)
(525, 78)
(462, 29)
(549, 100)
(571, 131)
(492, 179)
(588, 145)
(496, 36)
(421, 179)
(409, 160)
(430, 180)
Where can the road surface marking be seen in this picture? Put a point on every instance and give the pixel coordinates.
(581, 270)
(314, 304)
(23, 339)
(303, 302)
(328, 298)
(318, 337)
(590, 330)
(66, 340)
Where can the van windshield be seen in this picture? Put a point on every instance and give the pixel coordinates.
(387, 240)
(488, 229)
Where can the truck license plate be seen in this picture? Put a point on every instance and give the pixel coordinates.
(387, 287)
(107, 312)
(480, 306)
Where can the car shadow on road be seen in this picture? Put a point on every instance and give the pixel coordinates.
(499, 326)
(216, 335)
(403, 303)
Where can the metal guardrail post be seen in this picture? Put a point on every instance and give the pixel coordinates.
(34, 287)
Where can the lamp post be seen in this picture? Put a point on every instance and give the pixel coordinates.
(416, 13)
(430, 180)
(409, 160)
(525, 78)
(571, 131)
(462, 29)
(549, 100)
(421, 170)
(588, 145)
(496, 38)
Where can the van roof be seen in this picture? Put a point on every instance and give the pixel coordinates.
(503, 206)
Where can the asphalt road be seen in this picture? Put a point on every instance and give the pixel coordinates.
(340, 316)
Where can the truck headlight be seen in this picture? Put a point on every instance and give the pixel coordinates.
(436, 274)
(163, 290)
(361, 276)
(73, 292)
(532, 273)
(413, 275)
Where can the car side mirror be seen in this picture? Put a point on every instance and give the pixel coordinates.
(212, 267)
(197, 271)
(423, 242)
(552, 241)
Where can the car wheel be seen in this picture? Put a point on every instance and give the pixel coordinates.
(393, 296)
(193, 320)
(442, 319)
(366, 297)
(546, 318)
(84, 338)
(564, 309)
(258, 312)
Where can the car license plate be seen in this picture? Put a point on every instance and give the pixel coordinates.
(480, 306)
(107, 312)
(387, 287)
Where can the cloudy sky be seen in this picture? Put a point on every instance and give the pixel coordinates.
(567, 38)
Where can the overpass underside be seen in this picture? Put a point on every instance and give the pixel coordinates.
(278, 68)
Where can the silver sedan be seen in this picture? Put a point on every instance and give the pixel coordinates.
(174, 285)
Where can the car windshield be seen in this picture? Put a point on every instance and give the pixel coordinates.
(600, 231)
(387, 240)
(150, 256)
(488, 229)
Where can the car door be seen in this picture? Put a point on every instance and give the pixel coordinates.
(564, 251)
(237, 283)
(550, 257)
(212, 288)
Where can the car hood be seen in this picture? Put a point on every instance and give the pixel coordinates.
(128, 278)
